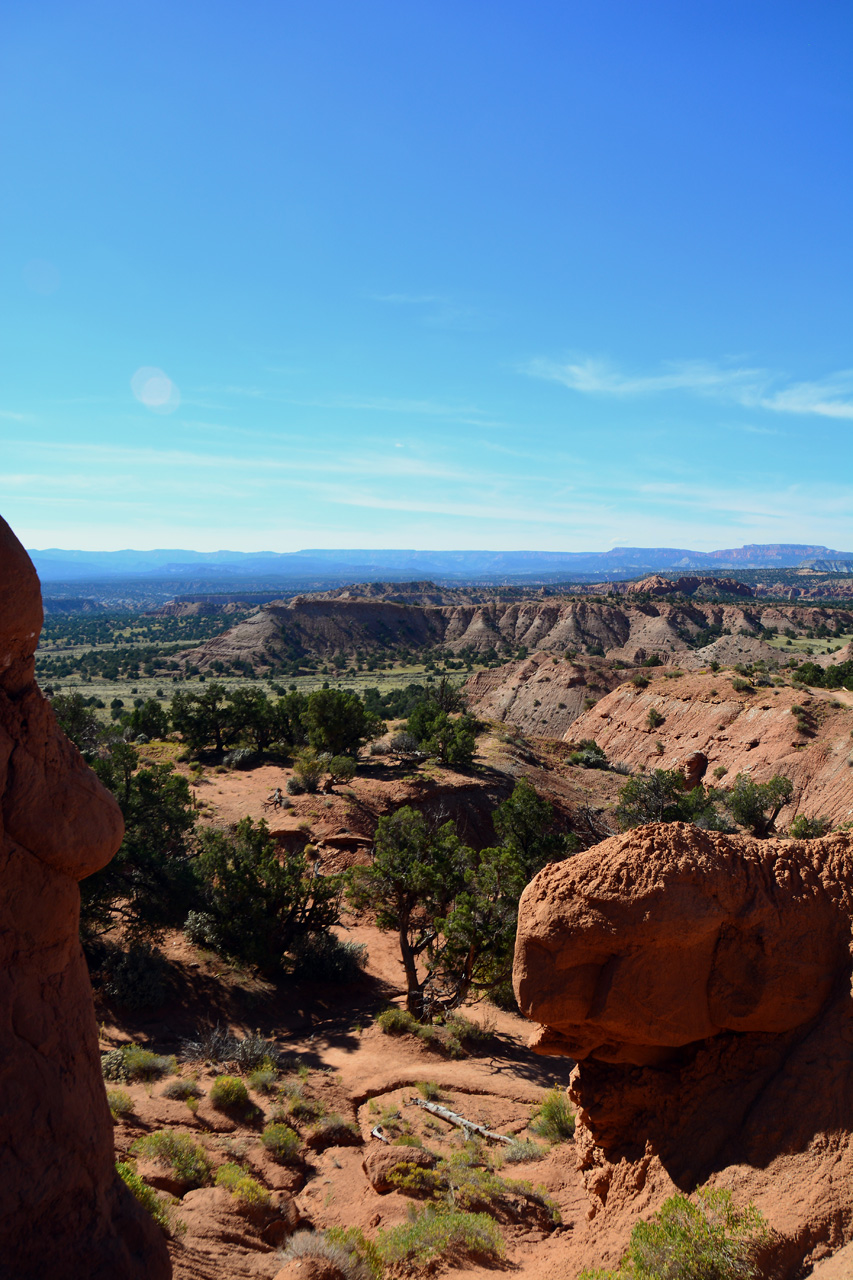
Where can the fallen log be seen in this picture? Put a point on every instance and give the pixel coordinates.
(468, 1126)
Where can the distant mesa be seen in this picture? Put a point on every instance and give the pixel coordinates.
(59, 565)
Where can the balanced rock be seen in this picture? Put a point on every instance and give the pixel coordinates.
(667, 935)
(63, 1209)
(702, 984)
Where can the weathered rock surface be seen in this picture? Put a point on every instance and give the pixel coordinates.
(702, 982)
(381, 1161)
(539, 695)
(754, 732)
(213, 1216)
(62, 1207)
(321, 625)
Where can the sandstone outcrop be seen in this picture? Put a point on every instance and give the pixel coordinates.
(702, 984)
(755, 732)
(63, 1210)
(537, 695)
(321, 626)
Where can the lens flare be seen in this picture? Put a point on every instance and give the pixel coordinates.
(153, 388)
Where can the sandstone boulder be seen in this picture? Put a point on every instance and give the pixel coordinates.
(667, 935)
(702, 983)
(694, 769)
(62, 1206)
(213, 1215)
(380, 1162)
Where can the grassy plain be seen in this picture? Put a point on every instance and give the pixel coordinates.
(67, 640)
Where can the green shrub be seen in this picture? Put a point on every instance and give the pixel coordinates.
(553, 1118)
(741, 686)
(281, 1142)
(263, 1080)
(346, 1248)
(803, 828)
(417, 1180)
(119, 1103)
(131, 1062)
(323, 957)
(756, 805)
(466, 1030)
(518, 1152)
(228, 1175)
(398, 1022)
(136, 978)
(308, 769)
(181, 1090)
(462, 1182)
(187, 1159)
(660, 797)
(155, 1204)
(260, 898)
(589, 755)
(227, 1093)
(200, 929)
(706, 1239)
(436, 1233)
(306, 1109)
(214, 1044)
(248, 1191)
(654, 719)
(429, 1089)
(334, 1131)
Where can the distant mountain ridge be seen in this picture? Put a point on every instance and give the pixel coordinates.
(56, 565)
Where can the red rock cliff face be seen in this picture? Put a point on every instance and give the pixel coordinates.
(63, 1211)
(702, 983)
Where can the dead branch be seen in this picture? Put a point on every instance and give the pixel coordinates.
(468, 1126)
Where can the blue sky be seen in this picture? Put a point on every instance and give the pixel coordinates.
(554, 275)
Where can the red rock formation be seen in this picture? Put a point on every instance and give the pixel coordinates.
(702, 982)
(321, 625)
(754, 732)
(63, 1210)
(694, 769)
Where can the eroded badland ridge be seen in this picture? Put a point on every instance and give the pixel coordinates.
(695, 632)
(691, 987)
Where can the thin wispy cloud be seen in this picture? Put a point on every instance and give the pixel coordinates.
(438, 311)
(597, 377)
(407, 299)
(379, 463)
(830, 398)
(10, 416)
(465, 413)
(753, 388)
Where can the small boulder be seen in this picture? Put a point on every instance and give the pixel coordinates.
(380, 1161)
(310, 1269)
(694, 769)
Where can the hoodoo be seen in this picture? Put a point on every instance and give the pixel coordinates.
(702, 984)
(63, 1210)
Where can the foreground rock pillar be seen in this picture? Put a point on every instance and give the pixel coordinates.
(63, 1210)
